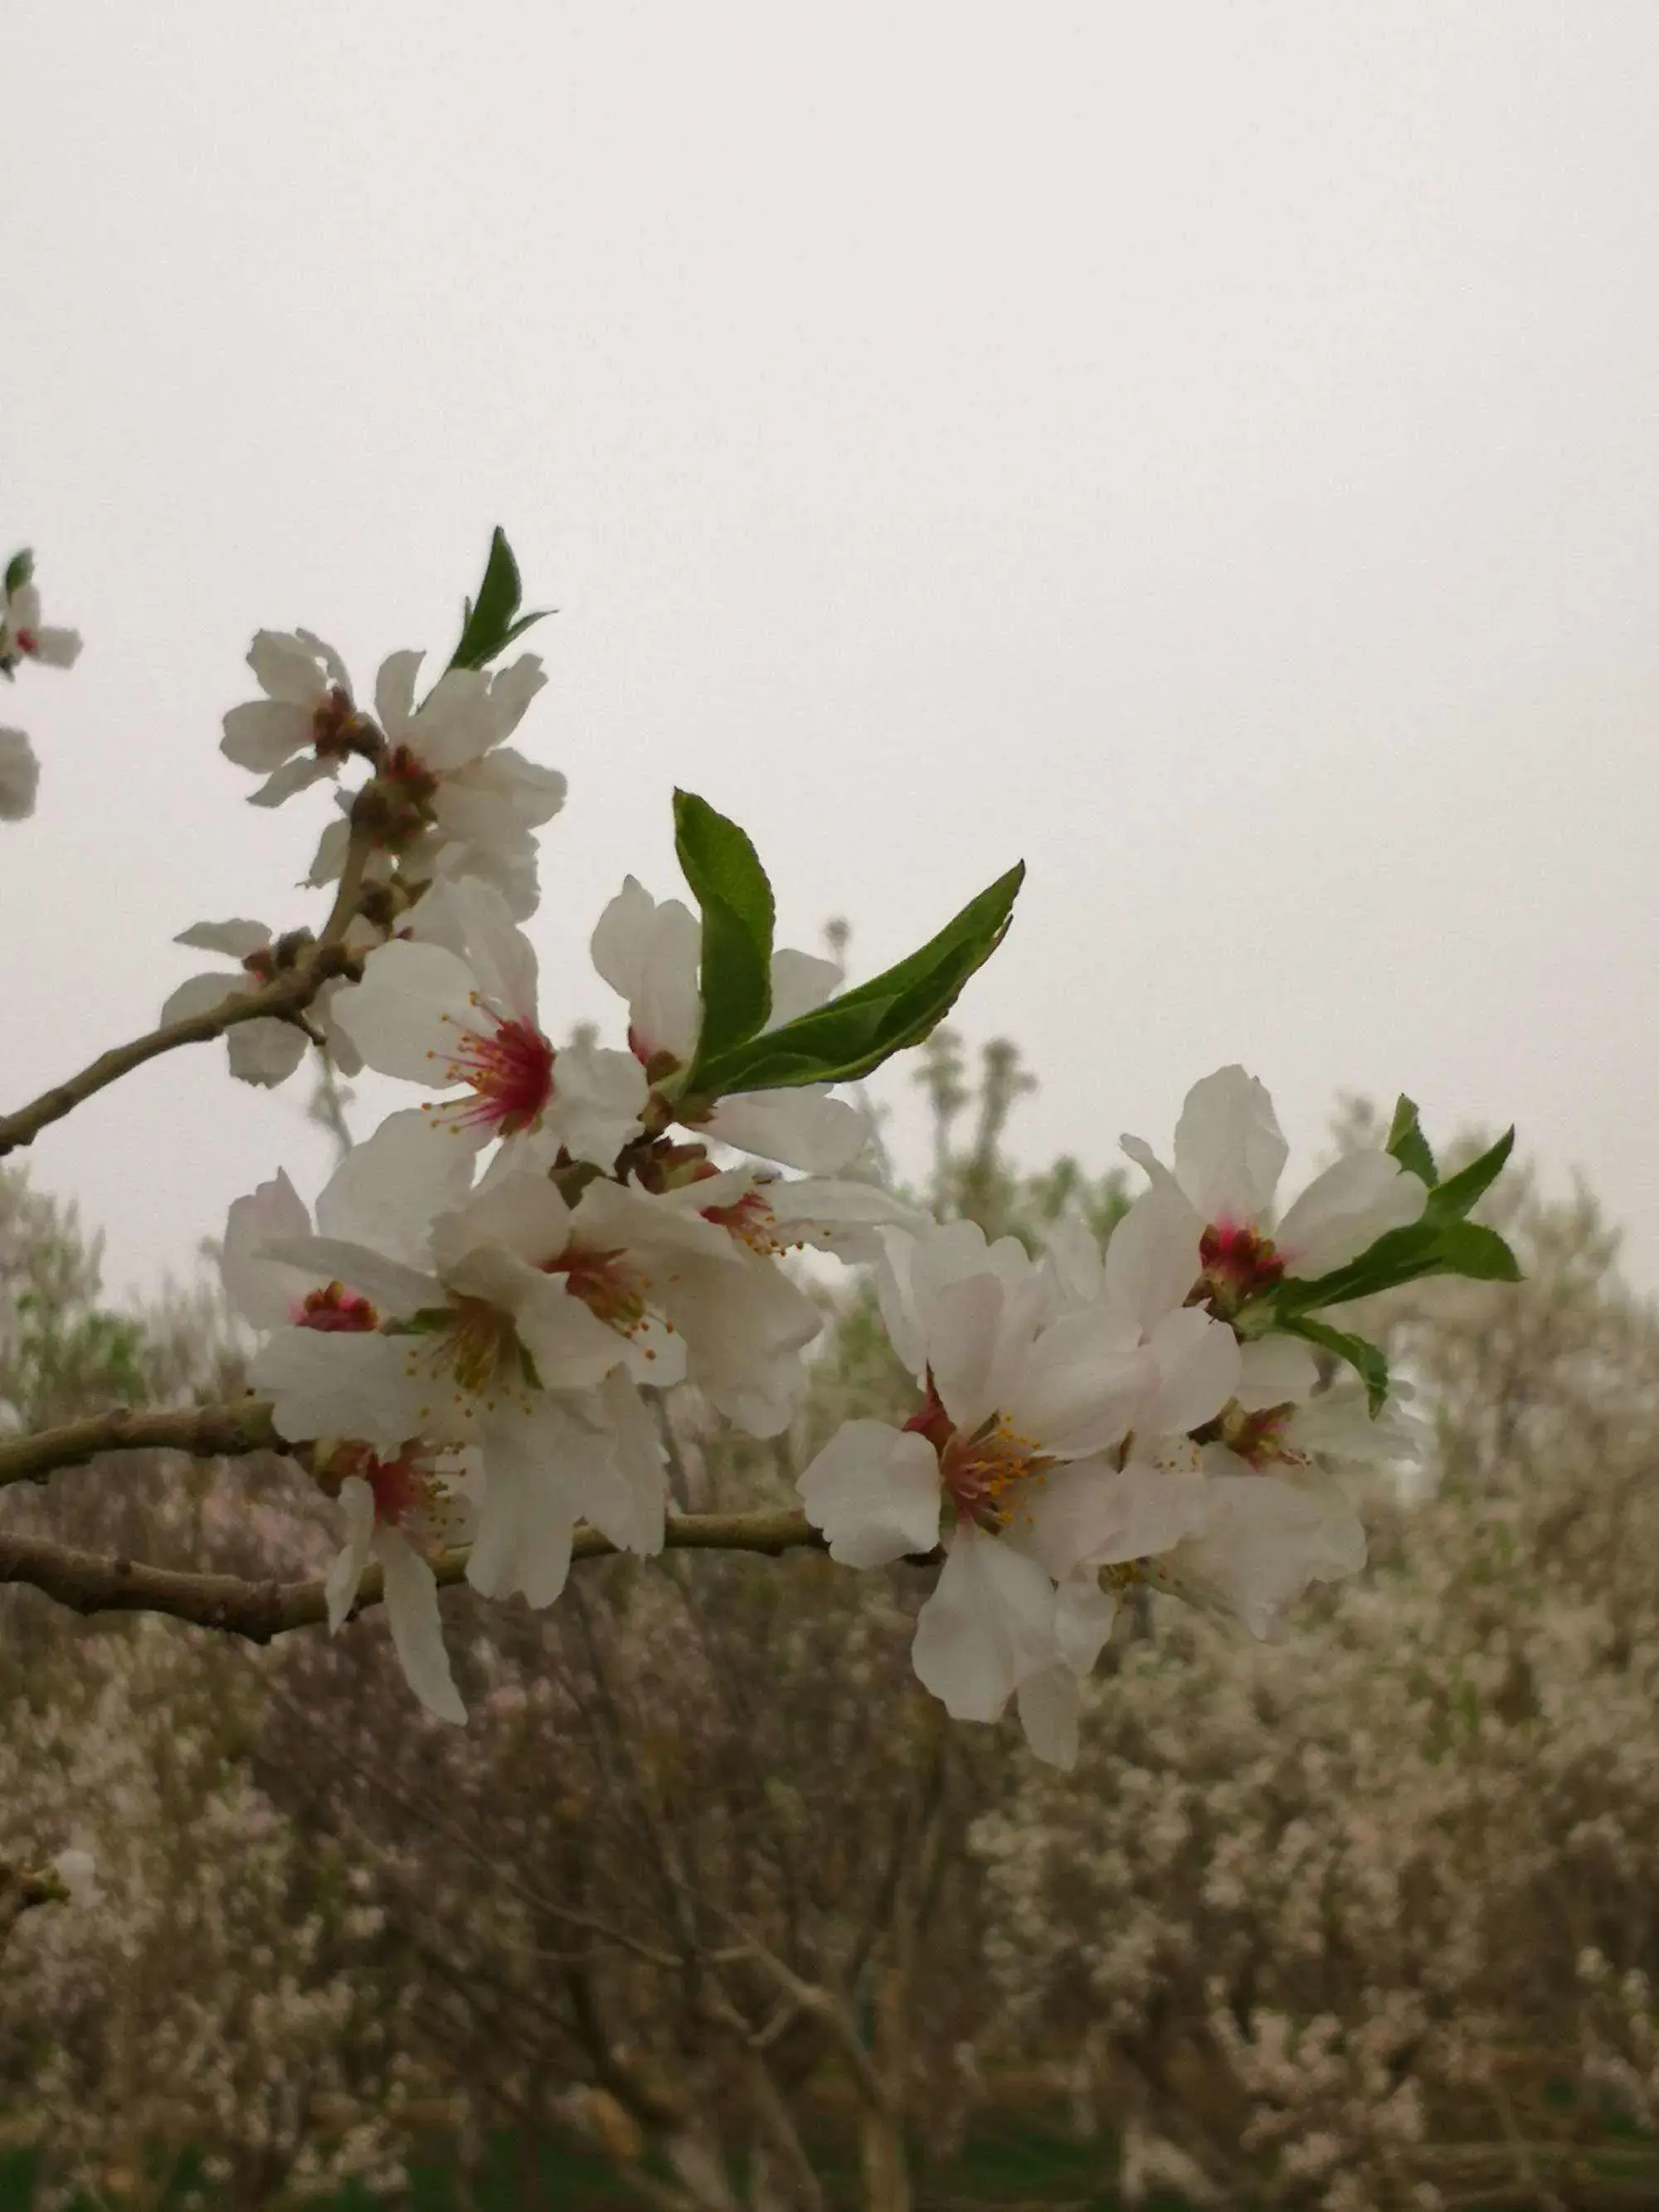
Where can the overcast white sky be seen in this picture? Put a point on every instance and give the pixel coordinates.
(1209, 451)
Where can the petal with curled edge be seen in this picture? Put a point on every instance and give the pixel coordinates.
(874, 1491)
(988, 1626)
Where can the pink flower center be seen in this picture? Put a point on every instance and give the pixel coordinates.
(751, 1221)
(608, 1285)
(409, 773)
(1260, 1437)
(333, 724)
(335, 1309)
(1238, 1262)
(981, 1473)
(408, 1494)
(509, 1072)
(28, 642)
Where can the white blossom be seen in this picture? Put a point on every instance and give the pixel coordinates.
(1229, 1155)
(648, 952)
(20, 776)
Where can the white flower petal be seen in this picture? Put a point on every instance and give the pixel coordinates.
(413, 1004)
(397, 1291)
(1152, 1260)
(1343, 1211)
(453, 724)
(622, 1490)
(522, 1213)
(1228, 1150)
(203, 994)
(264, 733)
(801, 982)
(1197, 1361)
(598, 1098)
(529, 1509)
(1049, 1706)
(266, 1051)
(294, 776)
(236, 938)
(1275, 1370)
(347, 1384)
(394, 692)
(874, 1492)
(418, 1630)
(340, 1584)
(987, 1627)
(388, 1189)
(286, 668)
(1094, 1511)
(56, 648)
(264, 1292)
(802, 1128)
(20, 776)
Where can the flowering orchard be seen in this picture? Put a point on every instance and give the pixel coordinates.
(464, 1338)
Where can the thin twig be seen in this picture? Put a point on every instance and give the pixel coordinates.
(287, 994)
(90, 1583)
(205, 1432)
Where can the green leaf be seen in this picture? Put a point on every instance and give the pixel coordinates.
(1367, 1362)
(1467, 1248)
(731, 886)
(1452, 1199)
(20, 570)
(853, 1034)
(492, 621)
(1407, 1144)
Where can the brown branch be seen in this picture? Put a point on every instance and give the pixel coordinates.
(205, 1432)
(286, 994)
(90, 1583)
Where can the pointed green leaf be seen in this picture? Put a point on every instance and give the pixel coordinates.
(1363, 1356)
(1407, 1144)
(492, 621)
(853, 1034)
(1452, 1199)
(20, 570)
(1467, 1248)
(731, 887)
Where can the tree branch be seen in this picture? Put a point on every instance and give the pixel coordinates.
(286, 994)
(205, 1432)
(89, 1583)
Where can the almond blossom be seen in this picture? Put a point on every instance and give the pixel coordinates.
(648, 950)
(449, 794)
(20, 776)
(496, 1325)
(305, 727)
(23, 637)
(1228, 1154)
(398, 1511)
(1013, 1398)
(455, 1005)
(267, 1049)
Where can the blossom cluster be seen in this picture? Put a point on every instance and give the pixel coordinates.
(24, 636)
(468, 1340)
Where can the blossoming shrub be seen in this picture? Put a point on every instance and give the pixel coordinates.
(1367, 1918)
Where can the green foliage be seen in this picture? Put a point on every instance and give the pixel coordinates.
(854, 1033)
(1366, 1360)
(491, 624)
(61, 1351)
(732, 889)
(19, 571)
(1443, 1242)
(1409, 1145)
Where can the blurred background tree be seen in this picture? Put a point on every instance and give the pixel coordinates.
(707, 1907)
